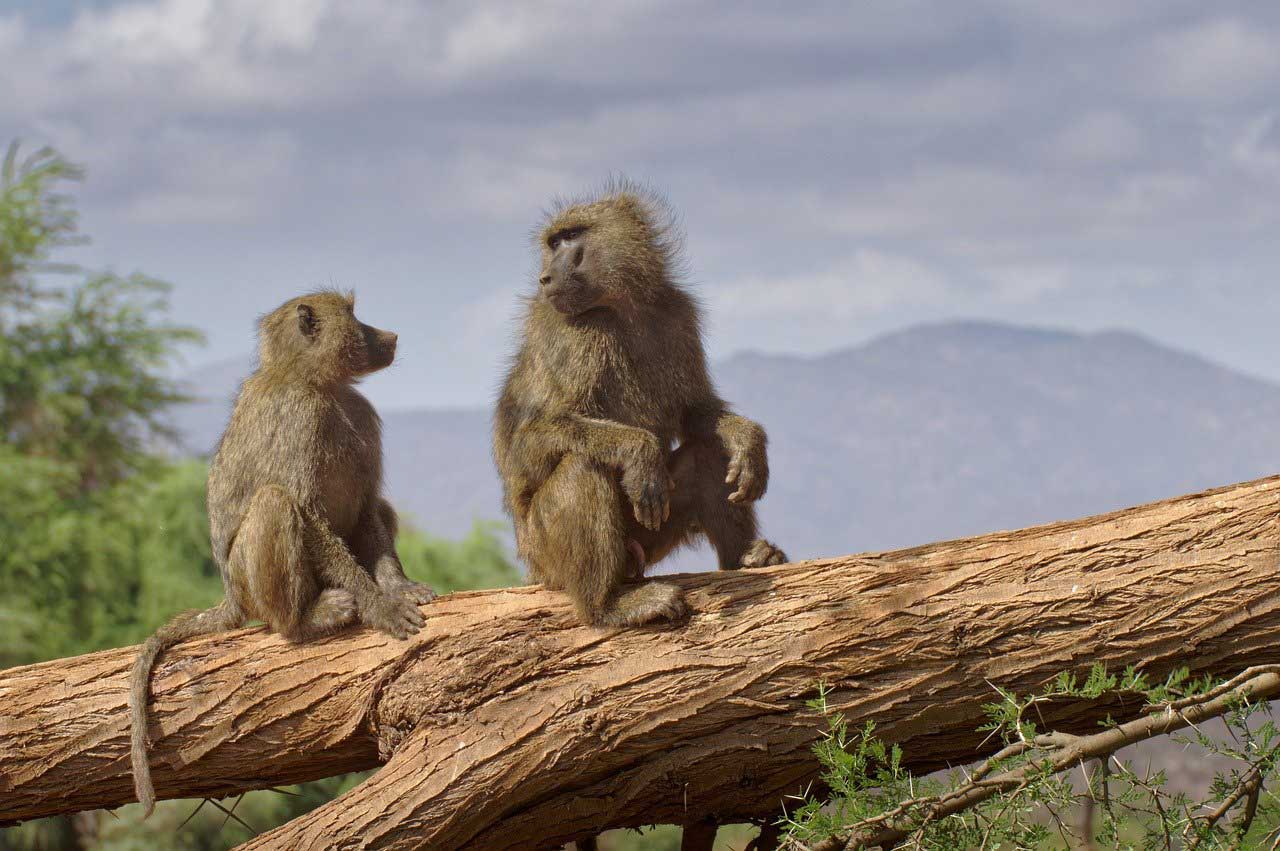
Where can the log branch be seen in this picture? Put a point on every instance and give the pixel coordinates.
(506, 724)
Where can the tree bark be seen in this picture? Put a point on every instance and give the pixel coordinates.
(505, 724)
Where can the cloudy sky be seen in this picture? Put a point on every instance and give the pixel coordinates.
(843, 168)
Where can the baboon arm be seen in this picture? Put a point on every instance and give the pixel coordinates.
(375, 543)
(335, 562)
(736, 432)
(543, 441)
(744, 442)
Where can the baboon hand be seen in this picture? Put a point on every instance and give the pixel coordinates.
(393, 613)
(389, 575)
(748, 474)
(648, 484)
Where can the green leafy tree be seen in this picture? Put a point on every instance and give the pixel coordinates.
(35, 219)
(84, 382)
(84, 370)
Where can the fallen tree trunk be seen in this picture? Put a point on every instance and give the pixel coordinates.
(505, 724)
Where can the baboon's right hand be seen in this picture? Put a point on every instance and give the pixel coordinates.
(394, 614)
(647, 484)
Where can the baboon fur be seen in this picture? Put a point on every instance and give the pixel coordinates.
(609, 377)
(300, 531)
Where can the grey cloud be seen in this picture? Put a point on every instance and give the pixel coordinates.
(867, 164)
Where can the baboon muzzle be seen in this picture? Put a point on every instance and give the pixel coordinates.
(381, 346)
(564, 265)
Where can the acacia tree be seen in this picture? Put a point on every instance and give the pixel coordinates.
(84, 374)
(35, 219)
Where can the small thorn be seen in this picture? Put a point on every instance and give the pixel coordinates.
(203, 801)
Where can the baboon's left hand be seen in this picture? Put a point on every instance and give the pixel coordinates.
(393, 613)
(748, 473)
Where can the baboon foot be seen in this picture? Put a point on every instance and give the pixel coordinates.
(393, 613)
(763, 553)
(334, 609)
(652, 601)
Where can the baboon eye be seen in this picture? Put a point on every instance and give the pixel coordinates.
(563, 236)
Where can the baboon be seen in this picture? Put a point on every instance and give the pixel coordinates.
(300, 532)
(610, 375)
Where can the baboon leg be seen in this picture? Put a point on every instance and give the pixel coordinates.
(701, 502)
(575, 536)
(374, 546)
(334, 609)
(271, 574)
(577, 542)
(649, 546)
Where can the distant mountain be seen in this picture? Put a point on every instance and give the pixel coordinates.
(935, 432)
(949, 430)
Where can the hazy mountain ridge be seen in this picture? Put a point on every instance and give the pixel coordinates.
(934, 432)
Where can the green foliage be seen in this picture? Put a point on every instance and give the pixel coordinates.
(87, 571)
(104, 569)
(85, 380)
(84, 370)
(870, 788)
(35, 219)
(476, 561)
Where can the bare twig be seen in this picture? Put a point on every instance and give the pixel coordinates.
(192, 815)
(232, 815)
(1247, 817)
(1087, 810)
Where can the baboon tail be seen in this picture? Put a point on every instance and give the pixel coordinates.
(186, 625)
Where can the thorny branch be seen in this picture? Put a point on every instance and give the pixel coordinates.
(1059, 752)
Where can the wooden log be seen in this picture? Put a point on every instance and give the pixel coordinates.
(506, 724)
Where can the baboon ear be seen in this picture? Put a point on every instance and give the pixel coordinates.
(307, 320)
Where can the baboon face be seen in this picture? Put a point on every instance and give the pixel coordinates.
(598, 256)
(319, 333)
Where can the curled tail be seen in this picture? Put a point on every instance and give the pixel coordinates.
(186, 625)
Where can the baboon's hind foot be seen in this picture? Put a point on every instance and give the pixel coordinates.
(762, 553)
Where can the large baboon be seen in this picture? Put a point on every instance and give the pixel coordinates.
(300, 531)
(610, 376)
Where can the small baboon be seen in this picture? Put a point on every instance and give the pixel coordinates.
(610, 374)
(300, 532)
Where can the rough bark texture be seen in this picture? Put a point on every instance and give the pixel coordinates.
(508, 725)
